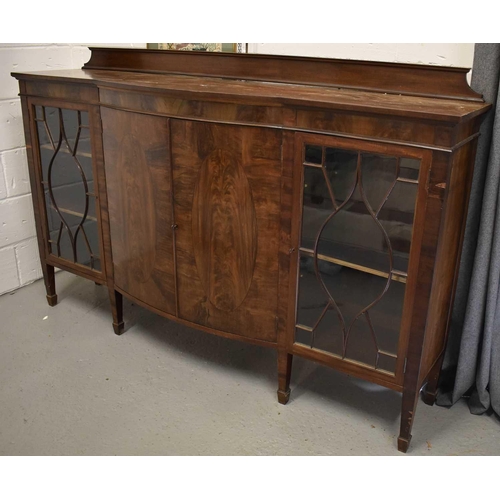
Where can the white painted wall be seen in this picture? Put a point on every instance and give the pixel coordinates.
(19, 262)
(445, 54)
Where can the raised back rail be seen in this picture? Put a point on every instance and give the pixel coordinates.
(394, 78)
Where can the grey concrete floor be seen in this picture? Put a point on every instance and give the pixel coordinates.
(69, 386)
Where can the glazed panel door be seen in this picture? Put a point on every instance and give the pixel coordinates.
(226, 183)
(64, 152)
(355, 251)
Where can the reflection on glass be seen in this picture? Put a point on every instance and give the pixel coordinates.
(345, 332)
(409, 169)
(396, 218)
(317, 205)
(66, 163)
(313, 154)
(357, 223)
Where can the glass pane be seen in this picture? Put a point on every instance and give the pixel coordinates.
(378, 175)
(371, 337)
(84, 146)
(67, 172)
(313, 307)
(341, 171)
(302, 336)
(396, 218)
(409, 169)
(359, 208)
(317, 205)
(313, 154)
(51, 120)
(71, 121)
(387, 363)
(353, 235)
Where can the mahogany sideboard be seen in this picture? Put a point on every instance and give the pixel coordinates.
(314, 206)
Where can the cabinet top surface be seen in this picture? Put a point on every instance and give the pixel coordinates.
(418, 91)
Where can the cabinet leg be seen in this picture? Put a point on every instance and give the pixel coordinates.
(50, 284)
(284, 373)
(116, 300)
(429, 393)
(409, 406)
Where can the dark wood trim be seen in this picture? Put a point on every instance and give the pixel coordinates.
(408, 79)
(347, 367)
(362, 144)
(292, 129)
(287, 173)
(174, 225)
(195, 326)
(412, 275)
(98, 165)
(36, 178)
(427, 227)
(313, 97)
(58, 99)
(75, 268)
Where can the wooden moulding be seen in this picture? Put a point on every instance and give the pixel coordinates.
(407, 79)
(390, 129)
(62, 90)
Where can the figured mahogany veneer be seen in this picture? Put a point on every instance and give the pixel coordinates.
(315, 206)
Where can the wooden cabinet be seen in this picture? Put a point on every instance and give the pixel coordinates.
(313, 206)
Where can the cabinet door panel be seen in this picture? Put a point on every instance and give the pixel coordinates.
(358, 202)
(138, 181)
(227, 206)
(67, 172)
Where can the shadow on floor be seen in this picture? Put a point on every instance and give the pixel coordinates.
(308, 378)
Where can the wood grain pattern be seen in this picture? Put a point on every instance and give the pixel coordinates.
(62, 90)
(136, 154)
(199, 177)
(431, 213)
(382, 77)
(458, 183)
(376, 127)
(258, 154)
(115, 298)
(37, 192)
(224, 230)
(262, 93)
(154, 103)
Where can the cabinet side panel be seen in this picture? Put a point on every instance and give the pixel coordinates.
(227, 182)
(136, 152)
(448, 258)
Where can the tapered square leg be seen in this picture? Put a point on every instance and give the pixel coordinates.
(403, 444)
(429, 396)
(50, 284)
(284, 374)
(410, 398)
(116, 300)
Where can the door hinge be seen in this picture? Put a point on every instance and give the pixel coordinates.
(404, 367)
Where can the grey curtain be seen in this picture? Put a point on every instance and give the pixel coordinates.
(471, 365)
